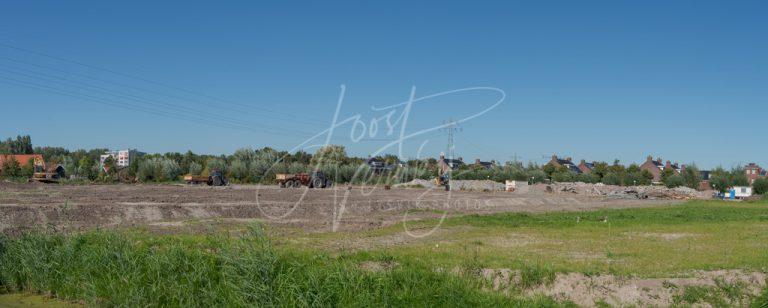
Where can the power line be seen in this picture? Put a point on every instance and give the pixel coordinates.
(162, 84)
(99, 100)
(176, 97)
(128, 96)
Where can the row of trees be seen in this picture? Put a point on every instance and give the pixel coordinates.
(20, 145)
(260, 166)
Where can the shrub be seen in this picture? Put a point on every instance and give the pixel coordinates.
(149, 170)
(238, 170)
(673, 181)
(564, 176)
(195, 168)
(11, 168)
(216, 164)
(760, 186)
(170, 170)
(612, 178)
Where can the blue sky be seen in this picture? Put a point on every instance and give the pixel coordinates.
(599, 80)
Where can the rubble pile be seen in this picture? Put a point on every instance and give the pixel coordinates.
(628, 192)
(577, 188)
(481, 185)
(469, 185)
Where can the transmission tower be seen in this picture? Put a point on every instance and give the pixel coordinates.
(451, 127)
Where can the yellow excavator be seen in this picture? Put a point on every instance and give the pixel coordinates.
(47, 174)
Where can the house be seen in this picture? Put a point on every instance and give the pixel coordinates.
(484, 164)
(567, 163)
(656, 167)
(586, 167)
(24, 159)
(448, 164)
(754, 172)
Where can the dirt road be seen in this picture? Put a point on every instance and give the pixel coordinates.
(80, 207)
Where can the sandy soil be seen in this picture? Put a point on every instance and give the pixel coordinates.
(79, 207)
(588, 291)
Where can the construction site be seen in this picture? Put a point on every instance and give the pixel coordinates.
(83, 207)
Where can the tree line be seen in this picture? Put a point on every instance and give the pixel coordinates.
(247, 165)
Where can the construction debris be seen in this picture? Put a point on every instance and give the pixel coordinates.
(624, 192)
(578, 188)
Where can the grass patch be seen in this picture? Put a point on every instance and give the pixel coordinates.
(722, 295)
(106, 268)
(18, 300)
(535, 275)
(697, 235)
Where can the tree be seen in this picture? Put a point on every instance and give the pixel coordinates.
(244, 154)
(239, 170)
(691, 176)
(760, 186)
(601, 169)
(195, 168)
(719, 179)
(739, 177)
(549, 170)
(11, 168)
(110, 166)
(21, 145)
(613, 178)
(170, 170)
(85, 168)
(148, 170)
(673, 181)
(215, 164)
(330, 155)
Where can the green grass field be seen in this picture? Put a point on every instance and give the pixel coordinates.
(137, 268)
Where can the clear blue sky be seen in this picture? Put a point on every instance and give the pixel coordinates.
(686, 80)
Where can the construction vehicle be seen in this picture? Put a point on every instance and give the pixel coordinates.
(47, 173)
(216, 178)
(316, 179)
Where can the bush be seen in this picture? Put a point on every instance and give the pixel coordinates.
(760, 186)
(564, 176)
(673, 181)
(216, 164)
(613, 178)
(149, 170)
(170, 170)
(238, 170)
(11, 168)
(195, 168)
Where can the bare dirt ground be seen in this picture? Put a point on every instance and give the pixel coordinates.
(80, 207)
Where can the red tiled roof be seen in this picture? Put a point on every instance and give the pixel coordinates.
(21, 158)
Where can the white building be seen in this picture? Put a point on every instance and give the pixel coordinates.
(123, 158)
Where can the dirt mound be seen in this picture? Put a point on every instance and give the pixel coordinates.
(706, 288)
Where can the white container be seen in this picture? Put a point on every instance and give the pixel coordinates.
(517, 186)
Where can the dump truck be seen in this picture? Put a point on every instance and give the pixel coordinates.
(216, 178)
(316, 179)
